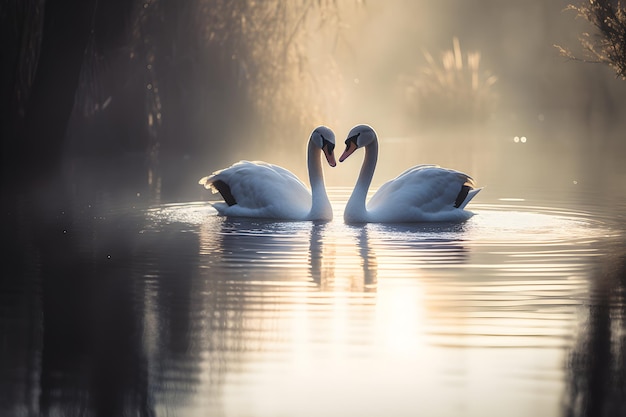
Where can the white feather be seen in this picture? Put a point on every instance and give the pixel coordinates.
(423, 193)
(266, 190)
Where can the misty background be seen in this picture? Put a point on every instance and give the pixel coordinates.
(173, 90)
(109, 106)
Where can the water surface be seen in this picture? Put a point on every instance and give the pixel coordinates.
(169, 309)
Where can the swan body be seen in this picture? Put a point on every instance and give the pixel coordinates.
(423, 193)
(263, 190)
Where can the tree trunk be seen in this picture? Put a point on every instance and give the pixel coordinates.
(66, 31)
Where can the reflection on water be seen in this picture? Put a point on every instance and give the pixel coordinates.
(172, 310)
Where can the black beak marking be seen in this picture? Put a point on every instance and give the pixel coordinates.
(352, 139)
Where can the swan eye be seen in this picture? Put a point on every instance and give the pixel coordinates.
(326, 142)
(353, 139)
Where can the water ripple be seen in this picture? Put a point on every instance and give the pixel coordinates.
(274, 301)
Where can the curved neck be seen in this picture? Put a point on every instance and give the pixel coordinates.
(355, 208)
(320, 205)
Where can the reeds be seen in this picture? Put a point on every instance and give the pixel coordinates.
(454, 89)
(608, 45)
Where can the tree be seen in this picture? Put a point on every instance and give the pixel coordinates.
(608, 46)
(156, 74)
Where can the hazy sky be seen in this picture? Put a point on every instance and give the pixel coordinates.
(385, 40)
(555, 103)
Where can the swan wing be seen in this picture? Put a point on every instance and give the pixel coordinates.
(423, 193)
(259, 189)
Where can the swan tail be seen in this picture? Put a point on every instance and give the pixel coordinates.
(219, 186)
(465, 196)
(204, 181)
(460, 198)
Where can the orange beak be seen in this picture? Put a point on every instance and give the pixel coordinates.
(330, 156)
(351, 146)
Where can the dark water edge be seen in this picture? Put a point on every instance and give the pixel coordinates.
(76, 282)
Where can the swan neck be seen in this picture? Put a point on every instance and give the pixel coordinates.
(320, 205)
(355, 208)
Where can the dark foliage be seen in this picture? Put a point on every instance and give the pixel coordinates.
(152, 77)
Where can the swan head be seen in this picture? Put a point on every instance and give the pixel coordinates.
(324, 138)
(359, 137)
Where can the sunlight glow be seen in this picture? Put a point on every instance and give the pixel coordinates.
(390, 314)
(400, 317)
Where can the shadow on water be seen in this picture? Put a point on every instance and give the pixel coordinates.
(85, 354)
(596, 367)
(75, 309)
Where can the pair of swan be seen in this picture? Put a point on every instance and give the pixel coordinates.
(423, 193)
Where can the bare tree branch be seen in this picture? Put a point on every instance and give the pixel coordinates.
(608, 46)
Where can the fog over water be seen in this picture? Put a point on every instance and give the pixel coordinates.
(451, 82)
(567, 116)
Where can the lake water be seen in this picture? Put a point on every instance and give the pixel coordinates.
(170, 310)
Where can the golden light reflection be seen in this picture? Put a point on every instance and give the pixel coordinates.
(400, 316)
(360, 313)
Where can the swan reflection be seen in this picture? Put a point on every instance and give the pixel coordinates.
(368, 259)
(322, 254)
(260, 251)
(305, 255)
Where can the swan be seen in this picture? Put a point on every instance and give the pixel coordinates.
(423, 193)
(263, 190)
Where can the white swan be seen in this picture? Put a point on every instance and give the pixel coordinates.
(423, 193)
(259, 189)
